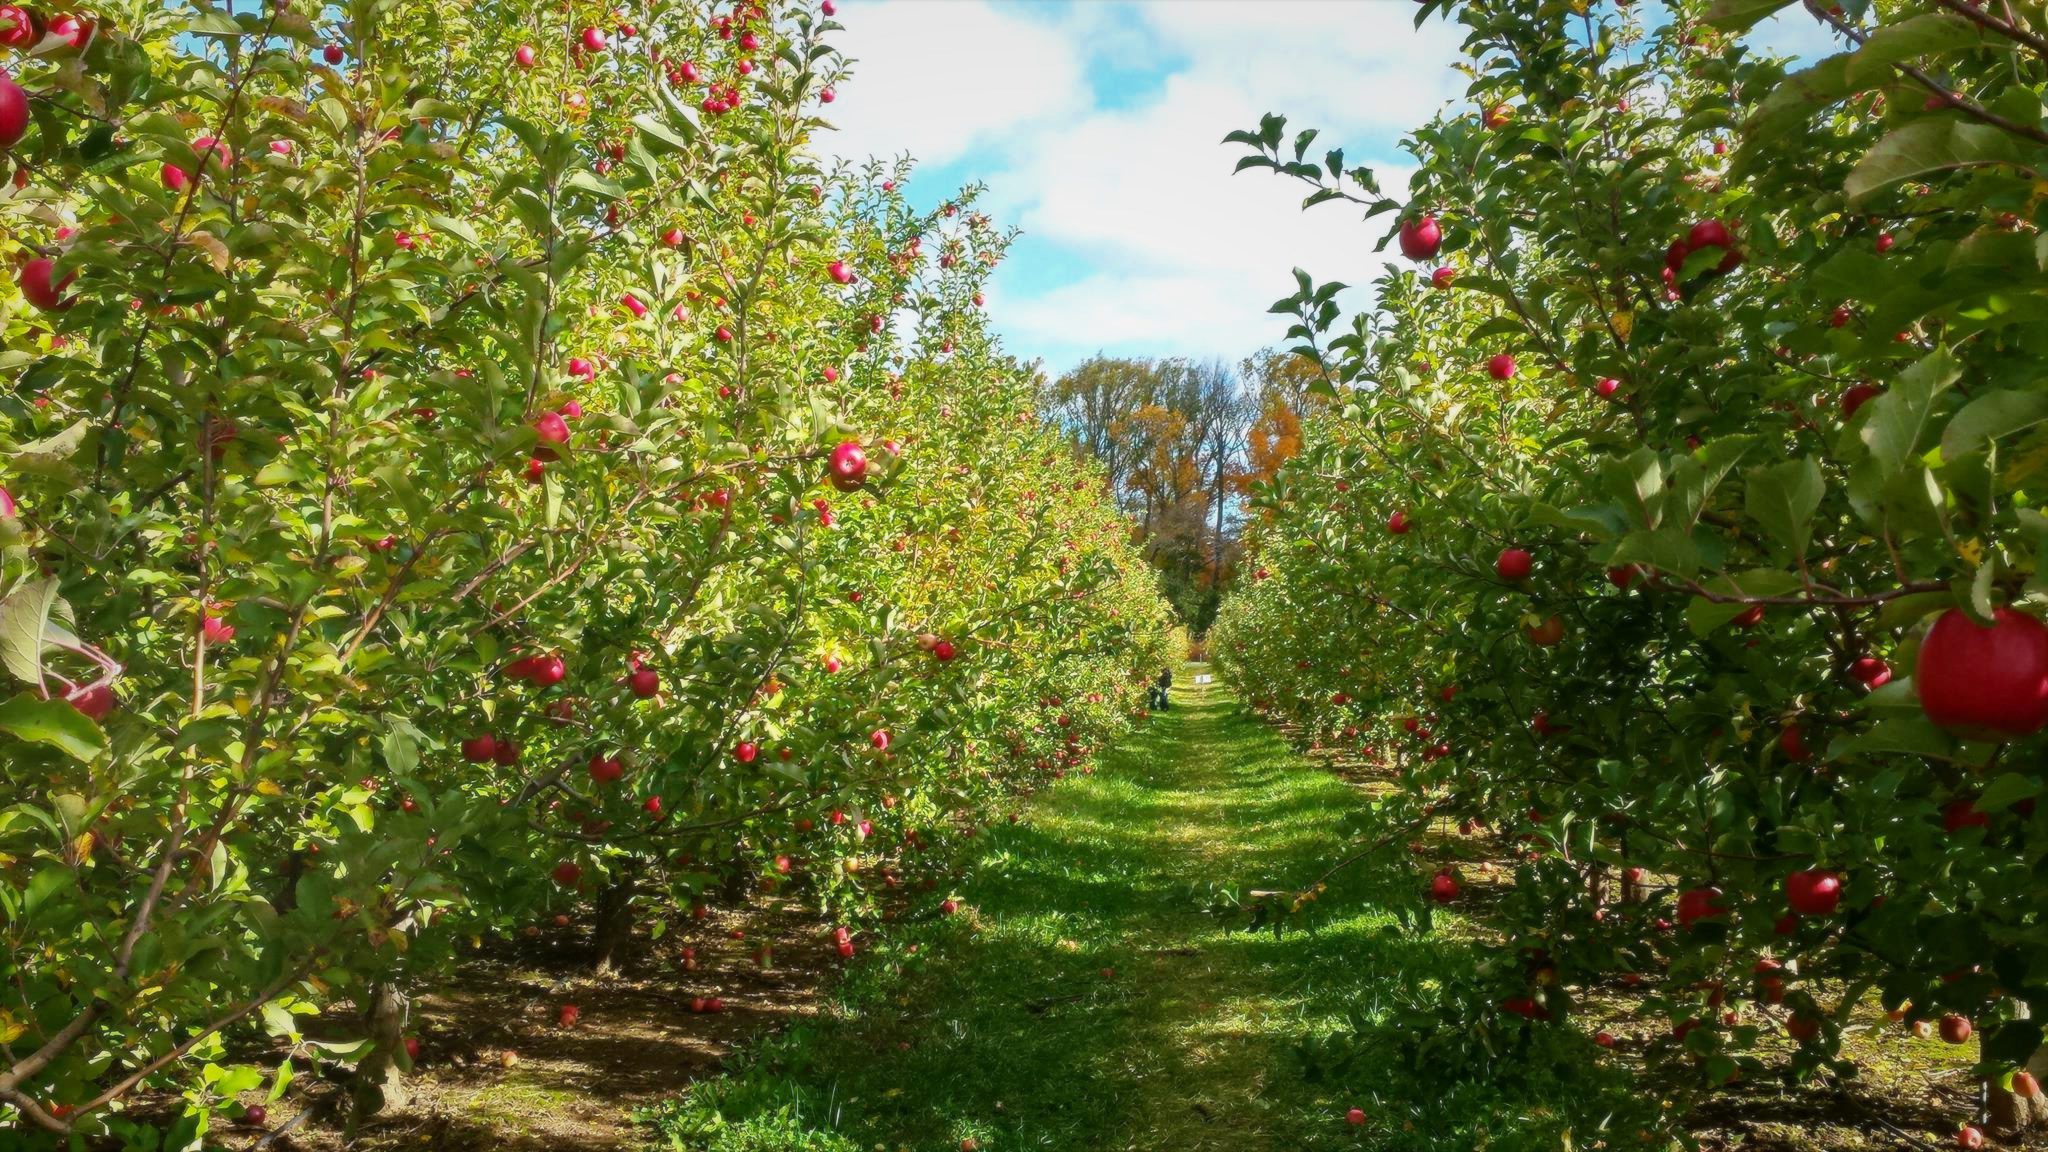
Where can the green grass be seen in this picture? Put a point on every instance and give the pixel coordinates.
(1001, 1026)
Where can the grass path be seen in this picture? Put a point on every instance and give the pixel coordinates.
(1084, 1000)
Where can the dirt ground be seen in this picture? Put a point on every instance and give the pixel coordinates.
(1911, 1093)
(496, 1070)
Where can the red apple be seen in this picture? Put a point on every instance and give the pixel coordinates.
(17, 26)
(76, 30)
(643, 682)
(1421, 238)
(480, 749)
(1398, 523)
(14, 115)
(746, 751)
(1501, 367)
(1990, 681)
(1792, 743)
(1814, 892)
(1857, 395)
(92, 701)
(1606, 387)
(1870, 672)
(1442, 277)
(256, 1115)
(1697, 904)
(1548, 633)
(1443, 888)
(849, 467)
(1355, 1117)
(523, 56)
(567, 873)
(1514, 564)
(594, 40)
(1961, 814)
(38, 289)
(568, 1015)
(839, 270)
(1955, 1029)
(1969, 1136)
(604, 769)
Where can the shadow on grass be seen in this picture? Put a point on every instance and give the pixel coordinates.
(1085, 1001)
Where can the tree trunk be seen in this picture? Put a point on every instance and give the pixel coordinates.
(614, 922)
(1216, 561)
(2010, 1114)
(738, 884)
(380, 1082)
(288, 875)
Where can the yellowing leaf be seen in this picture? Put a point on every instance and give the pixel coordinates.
(216, 252)
(1624, 323)
(10, 1028)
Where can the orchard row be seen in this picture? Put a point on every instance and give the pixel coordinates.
(472, 466)
(1674, 519)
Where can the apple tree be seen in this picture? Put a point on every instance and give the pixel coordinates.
(468, 464)
(1673, 513)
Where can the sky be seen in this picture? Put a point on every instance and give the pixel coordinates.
(1097, 126)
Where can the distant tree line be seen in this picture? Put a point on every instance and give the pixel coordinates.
(1181, 440)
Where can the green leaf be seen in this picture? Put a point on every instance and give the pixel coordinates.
(1739, 15)
(1796, 97)
(55, 723)
(213, 24)
(1922, 35)
(52, 454)
(24, 622)
(47, 883)
(1899, 417)
(1783, 498)
(1669, 550)
(2010, 788)
(1929, 145)
(457, 227)
(594, 184)
(401, 745)
(1908, 732)
(1991, 416)
(1637, 482)
(2013, 1042)
(656, 128)
(1694, 477)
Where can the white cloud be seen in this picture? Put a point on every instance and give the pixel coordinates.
(1796, 32)
(923, 83)
(1178, 256)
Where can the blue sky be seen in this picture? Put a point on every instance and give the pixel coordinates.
(1097, 126)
